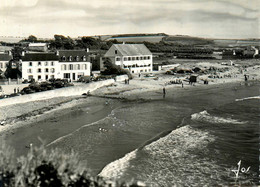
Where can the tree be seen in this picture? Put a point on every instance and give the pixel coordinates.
(112, 69)
(13, 72)
(32, 38)
(62, 42)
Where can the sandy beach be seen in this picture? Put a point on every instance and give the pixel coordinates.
(140, 87)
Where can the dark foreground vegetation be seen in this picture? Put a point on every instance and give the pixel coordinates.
(48, 168)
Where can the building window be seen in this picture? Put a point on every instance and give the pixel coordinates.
(148, 57)
(39, 63)
(77, 58)
(70, 58)
(30, 63)
(1, 65)
(125, 58)
(141, 58)
(129, 58)
(46, 63)
(70, 67)
(133, 58)
(63, 67)
(137, 58)
(30, 77)
(52, 70)
(84, 58)
(117, 58)
(63, 58)
(46, 77)
(115, 51)
(78, 66)
(52, 63)
(29, 70)
(144, 57)
(39, 70)
(46, 70)
(39, 77)
(85, 66)
(52, 76)
(66, 75)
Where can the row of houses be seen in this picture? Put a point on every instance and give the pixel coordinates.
(73, 64)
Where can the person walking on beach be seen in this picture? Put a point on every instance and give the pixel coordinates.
(164, 92)
(245, 77)
(14, 90)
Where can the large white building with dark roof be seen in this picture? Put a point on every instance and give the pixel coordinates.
(74, 64)
(136, 58)
(63, 64)
(40, 66)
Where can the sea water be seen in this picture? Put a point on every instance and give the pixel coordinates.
(192, 137)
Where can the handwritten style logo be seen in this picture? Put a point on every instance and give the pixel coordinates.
(243, 170)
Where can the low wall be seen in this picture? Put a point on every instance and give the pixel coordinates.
(61, 92)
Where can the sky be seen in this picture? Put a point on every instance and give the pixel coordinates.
(201, 18)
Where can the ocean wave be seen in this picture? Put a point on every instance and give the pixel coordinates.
(118, 167)
(175, 159)
(205, 116)
(246, 98)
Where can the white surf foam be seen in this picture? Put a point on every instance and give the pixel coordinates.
(167, 160)
(205, 116)
(117, 168)
(246, 98)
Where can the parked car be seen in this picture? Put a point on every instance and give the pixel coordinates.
(27, 90)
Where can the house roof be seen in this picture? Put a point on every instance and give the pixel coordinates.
(40, 57)
(5, 57)
(37, 44)
(73, 54)
(132, 49)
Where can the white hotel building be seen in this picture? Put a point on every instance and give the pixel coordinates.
(63, 64)
(136, 58)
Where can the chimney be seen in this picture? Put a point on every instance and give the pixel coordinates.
(23, 53)
(9, 53)
(57, 53)
(87, 50)
(123, 42)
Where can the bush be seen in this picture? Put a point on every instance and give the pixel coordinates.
(46, 168)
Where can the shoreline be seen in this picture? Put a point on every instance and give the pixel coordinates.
(140, 89)
(59, 104)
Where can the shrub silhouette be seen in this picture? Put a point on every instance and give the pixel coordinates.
(52, 168)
